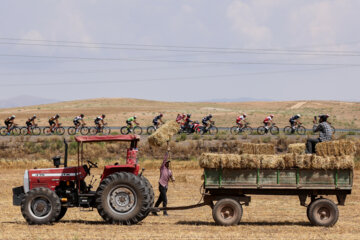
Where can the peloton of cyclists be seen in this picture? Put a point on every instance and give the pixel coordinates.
(78, 120)
(157, 120)
(267, 121)
(129, 122)
(240, 120)
(9, 122)
(205, 121)
(54, 121)
(30, 122)
(99, 121)
(294, 121)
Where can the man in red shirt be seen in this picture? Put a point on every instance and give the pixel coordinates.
(165, 176)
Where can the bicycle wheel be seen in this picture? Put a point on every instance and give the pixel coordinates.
(24, 131)
(106, 130)
(3, 131)
(15, 131)
(274, 130)
(213, 130)
(301, 130)
(84, 131)
(36, 131)
(150, 130)
(261, 130)
(137, 130)
(288, 130)
(47, 131)
(247, 130)
(124, 130)
(60, 131)
(71, 130)
(93, 131)
(234, 130)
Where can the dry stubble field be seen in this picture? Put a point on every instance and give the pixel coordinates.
(267, 217)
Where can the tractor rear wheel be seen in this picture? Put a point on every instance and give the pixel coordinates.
(151, 195)
(40, 206)
(62, 214)
(123, 198)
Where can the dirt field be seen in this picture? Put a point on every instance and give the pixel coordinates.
(267, 217)
(117, 110)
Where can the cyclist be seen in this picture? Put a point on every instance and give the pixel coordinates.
(240, 119)
(78, 120)
(267, 121)
(180, 117)
(158, 119)
(294, 120)
(30, 122)
(205, 121)
(187, 121)
(99, 120)
(9, 122)
(54, 121)
(129, 122)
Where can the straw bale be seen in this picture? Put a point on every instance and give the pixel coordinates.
(335, 148)
(289, 160)
(303, 161)
(231, 161)
(272, 161)
(252, 148)
(298, 148)
(209, 160)
(164, 133)
(332, 162)
(251, 161)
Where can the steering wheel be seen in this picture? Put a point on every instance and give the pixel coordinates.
(94, 165)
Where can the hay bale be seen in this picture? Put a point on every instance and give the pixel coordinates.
(231, 161)
(252, 148)
(251, 161)
(297, 148)
(272, 162)
(303, 161)
(289, 160)
(164, 133)
(209, 160)
(332, 162)
(335, 148)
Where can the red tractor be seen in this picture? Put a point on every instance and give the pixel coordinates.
(124, 196)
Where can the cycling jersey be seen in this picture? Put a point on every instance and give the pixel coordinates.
(98, 119)
(30, 120)
(293, 118)
(77, 118)
(206, 119)
(53, 118)
(240, 118)
(179, 118)
(130, 119)
(157, 118)
(268, 119)
(8, 121)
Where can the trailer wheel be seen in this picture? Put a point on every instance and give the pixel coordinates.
(227, 212)
(323, 212)
(40, 206)
(123, 198)
(62, 214)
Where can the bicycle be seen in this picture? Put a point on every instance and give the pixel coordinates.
(33, 130)
(151, 129)
(244, 129)
(212, 130)
(58, 130)
(81, 128)
(274, 130)
(102, 129)
(14, 131)
(299, 129)
(135, 130)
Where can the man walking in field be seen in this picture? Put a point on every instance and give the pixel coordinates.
(325, 134)
(165, 176)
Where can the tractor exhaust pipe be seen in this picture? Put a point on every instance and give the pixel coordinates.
(66, 153)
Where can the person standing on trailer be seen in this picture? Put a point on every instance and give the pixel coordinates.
(165, 176)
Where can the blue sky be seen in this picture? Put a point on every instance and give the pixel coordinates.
(181, 50)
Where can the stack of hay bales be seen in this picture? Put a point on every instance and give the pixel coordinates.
(297, 148)
(252, 148)
(164, 133)
(330, 155)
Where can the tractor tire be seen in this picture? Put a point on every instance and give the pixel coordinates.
(40, 206)
(151, 194)
(123, 198)
(227, 212)
(323, 212)
(62, 214)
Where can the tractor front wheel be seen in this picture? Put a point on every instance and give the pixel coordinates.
(123, 198)
(40, 206)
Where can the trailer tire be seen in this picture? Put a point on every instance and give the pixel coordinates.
(40, 206)
(123, 198)
(323, 212)
(62, 214)
(227, 212)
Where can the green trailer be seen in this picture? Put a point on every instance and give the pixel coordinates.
(226, 190)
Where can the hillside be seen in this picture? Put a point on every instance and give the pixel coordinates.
(343, 114)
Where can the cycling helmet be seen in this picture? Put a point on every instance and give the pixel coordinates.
(210, 116)
(298, 115)
(34, 116)
(244, 115)
(103, 115)
(161, 114)
(188, 115)
(57, 116)
(13, 116)
(271, 115)
(82, 115)
(134, 117)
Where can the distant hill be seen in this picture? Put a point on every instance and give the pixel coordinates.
(24, 100)
(243, 99)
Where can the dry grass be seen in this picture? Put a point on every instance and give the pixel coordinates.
(267, 217)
